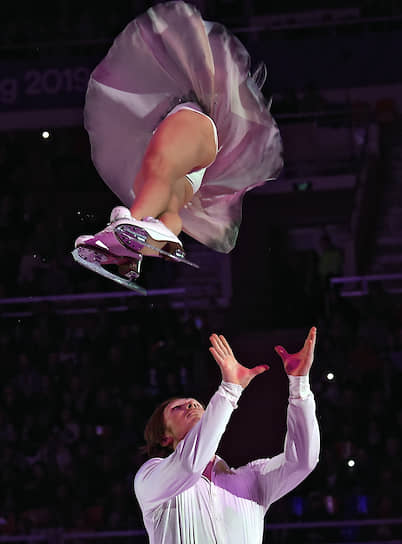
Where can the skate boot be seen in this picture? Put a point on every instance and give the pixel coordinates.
(136, 235)
(105, 255)
(120, 244)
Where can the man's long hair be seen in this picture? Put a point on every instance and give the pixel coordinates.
(155, 430)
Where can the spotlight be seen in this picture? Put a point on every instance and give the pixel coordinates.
(45, 134)
(351, 463)
(330, 376)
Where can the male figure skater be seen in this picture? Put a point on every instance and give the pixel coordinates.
(188, 494)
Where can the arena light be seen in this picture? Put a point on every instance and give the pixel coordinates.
(351, 463)
(45, 134)
(302, 186)
(330, 376)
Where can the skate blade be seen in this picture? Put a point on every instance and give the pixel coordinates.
(135, 238)
(94, 264)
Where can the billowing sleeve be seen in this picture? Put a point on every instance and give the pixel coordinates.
(282, 473)
(160, 479)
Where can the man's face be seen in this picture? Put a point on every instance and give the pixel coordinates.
(180, 416)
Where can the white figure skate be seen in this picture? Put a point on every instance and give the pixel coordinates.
(120, 244)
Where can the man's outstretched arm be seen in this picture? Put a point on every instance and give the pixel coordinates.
(282, 473)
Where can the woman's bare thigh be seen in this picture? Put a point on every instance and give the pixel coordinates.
(182, 143)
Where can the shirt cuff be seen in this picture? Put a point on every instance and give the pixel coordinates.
(299, 387)
(231, 391)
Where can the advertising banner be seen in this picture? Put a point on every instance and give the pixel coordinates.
(40, 85)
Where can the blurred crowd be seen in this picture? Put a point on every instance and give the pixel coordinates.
(75, 393)
(359, 361)
(64, 20)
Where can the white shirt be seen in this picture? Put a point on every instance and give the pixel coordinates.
(181, 506)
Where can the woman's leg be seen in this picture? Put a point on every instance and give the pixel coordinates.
(172, 220)
(178, 194)
(183, 142)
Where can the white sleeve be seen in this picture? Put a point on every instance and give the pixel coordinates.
(160, 479)
(282, 473)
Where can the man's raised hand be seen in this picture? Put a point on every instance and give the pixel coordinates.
(232, 371)
(299, 364)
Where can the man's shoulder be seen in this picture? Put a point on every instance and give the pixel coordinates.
(146, 467)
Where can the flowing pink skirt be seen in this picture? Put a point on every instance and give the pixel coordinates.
(170, 55)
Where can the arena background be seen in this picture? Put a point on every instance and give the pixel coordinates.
(84, 362)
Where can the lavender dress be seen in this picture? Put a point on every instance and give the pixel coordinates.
(164, 57)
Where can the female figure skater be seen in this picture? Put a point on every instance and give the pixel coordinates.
(179, 130)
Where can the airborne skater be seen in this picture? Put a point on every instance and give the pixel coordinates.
(180, 131)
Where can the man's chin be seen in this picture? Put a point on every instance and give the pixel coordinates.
(194, 415)
(192, 420)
